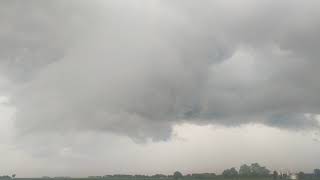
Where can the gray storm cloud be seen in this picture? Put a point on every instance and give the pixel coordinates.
(136, 68)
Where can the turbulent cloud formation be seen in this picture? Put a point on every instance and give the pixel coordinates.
(138, 67)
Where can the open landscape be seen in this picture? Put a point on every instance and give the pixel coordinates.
(246, 172)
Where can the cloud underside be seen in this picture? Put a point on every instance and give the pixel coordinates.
(137, 68)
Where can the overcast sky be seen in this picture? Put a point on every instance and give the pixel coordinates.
(153, 86)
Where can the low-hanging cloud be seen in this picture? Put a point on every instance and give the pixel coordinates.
(137, 68)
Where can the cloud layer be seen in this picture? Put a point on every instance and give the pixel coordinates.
(137, 68)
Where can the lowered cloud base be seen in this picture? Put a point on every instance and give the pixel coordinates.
(137, 68)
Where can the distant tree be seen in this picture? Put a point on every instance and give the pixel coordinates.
(177, 175)
(226, 173)
(245, 170)
(13, 175)
(265, 171)
(316, 172)
(230, 172)
(258, 170)
(301, 175)
(234, 172)
(275, 175)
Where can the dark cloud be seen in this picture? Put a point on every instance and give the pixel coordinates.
(138, 68)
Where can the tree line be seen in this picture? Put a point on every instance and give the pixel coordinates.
(253, 170)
